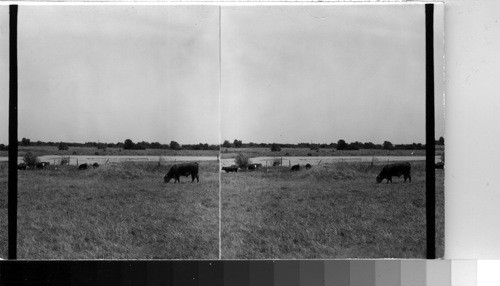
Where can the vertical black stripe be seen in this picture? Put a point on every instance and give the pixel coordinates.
(12, 193)
(430, 137)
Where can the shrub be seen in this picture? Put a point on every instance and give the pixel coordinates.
(275, 147)
(277, 162)
(30, 159)
(242, 161)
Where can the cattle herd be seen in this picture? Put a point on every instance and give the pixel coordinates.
(387, 172)
(192, 169)
(41, 165)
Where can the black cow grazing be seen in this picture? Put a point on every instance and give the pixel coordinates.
(184, 169)
(439, 165)
(40, 165)
(83, 166)
(230, 169)
(95, 165)
(254, 166)
(45, 164)
(396, 169)
(21, 166)
(295, 168)
(308, 166)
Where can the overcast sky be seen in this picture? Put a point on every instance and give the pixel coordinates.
(289, 73)
(108, 73)
(320, 74)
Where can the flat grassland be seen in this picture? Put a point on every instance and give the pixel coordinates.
(266, 152)
(49, 150)
(116, 211)
(330, 211)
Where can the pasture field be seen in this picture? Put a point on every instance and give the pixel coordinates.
(330, 211)
(116, 211)
(300, 152)
(48, 150)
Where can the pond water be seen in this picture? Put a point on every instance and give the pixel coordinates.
(81, 159)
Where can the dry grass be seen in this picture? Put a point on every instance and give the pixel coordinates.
(330, 211)
(266, 152)
(117, 211)
(47, 150)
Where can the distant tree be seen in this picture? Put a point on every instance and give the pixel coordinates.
(155, 145)
(275, 147)
(25, 142)
(341, 145)
(174, 145)
(440, 141)
(62, 146)
(128, 144)
(226, 144)
(388, 145)
(237, 143)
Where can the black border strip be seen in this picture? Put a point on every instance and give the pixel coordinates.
(430, 180)
(12, 192)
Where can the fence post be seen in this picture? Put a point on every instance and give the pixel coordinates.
(77, 161)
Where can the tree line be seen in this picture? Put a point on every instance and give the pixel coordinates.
(340, 145)
(128, 144)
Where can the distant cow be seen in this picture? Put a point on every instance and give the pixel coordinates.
(396, 169)
(45, 164)
(83, 166)
(295, 168)
(439, 165)
(254, 166)
(308, 166)
(95, 165)
(21, 166)
(185, 169)
(230, 169)
(40, 165)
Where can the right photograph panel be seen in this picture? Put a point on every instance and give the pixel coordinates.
(323, 132)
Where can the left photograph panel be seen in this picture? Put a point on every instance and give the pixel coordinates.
(118, 132)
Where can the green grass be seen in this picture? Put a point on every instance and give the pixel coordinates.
(331, 211)
(117, 211)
